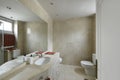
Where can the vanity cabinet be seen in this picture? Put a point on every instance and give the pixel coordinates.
(7, 55)
(41, 76)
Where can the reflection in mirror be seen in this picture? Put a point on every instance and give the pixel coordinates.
(1, 44)
(29, 32)
(33, 36)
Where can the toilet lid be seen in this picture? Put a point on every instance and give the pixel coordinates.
(87, 63)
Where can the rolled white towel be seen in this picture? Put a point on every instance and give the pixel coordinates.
(60, 59)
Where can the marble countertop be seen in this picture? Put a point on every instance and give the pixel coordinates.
(27, 71)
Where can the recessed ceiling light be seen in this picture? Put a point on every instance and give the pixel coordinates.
(57, 15)
(51, 3)
(11, 17)
(8, 7)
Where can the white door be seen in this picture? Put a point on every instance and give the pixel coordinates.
(108, 39)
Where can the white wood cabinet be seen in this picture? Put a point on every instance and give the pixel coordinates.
(1, 57)
(41, 76)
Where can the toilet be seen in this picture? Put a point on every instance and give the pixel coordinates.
(90, 67)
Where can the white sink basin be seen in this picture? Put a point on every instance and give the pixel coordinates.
(43, 60)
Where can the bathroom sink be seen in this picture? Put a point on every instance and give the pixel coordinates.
(41, 61)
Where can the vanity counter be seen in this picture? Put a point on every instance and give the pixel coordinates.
(27, 72)
(32, 71)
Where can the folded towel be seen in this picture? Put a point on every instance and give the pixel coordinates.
(39, 52)
(50, 53)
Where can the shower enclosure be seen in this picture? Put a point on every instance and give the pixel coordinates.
(1, 43)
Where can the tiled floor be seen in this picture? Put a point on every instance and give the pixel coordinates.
(68, 72)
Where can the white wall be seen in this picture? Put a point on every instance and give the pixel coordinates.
(108, 39)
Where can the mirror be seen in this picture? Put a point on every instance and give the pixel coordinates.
(32, 36)
(29, 30)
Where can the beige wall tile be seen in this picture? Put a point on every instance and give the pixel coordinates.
(32, 36)
(74, 39)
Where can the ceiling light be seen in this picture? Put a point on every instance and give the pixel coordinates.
(57, 15)
(11, 17)
(8, 7)
(51, 3)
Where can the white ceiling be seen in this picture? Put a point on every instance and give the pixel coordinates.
(17, 11)
(65, 9)
(58, 9)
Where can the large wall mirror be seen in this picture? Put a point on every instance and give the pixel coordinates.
(28, 32)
